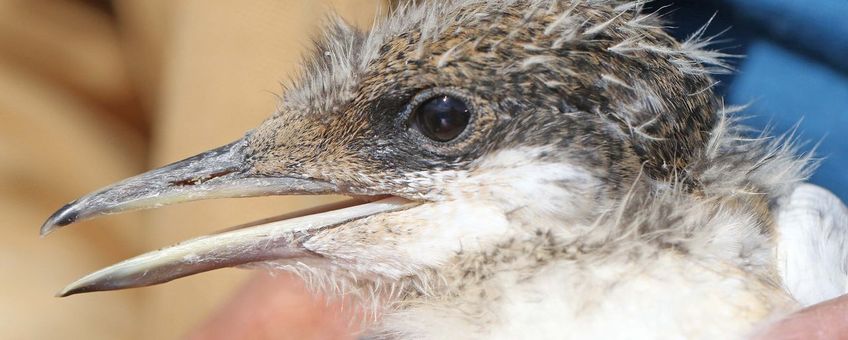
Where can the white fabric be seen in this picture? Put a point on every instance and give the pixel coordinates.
(812, 247)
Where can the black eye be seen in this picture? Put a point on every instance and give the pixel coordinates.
(441, 118)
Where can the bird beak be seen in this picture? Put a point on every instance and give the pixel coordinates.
(219, 173)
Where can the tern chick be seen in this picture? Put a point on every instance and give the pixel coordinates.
(532, 169)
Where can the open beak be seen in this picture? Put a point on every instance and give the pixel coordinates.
(219, 173)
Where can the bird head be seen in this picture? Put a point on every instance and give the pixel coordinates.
(458, 123)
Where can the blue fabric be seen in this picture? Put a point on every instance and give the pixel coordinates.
(785, 89)
(795, 69)
(816, 27)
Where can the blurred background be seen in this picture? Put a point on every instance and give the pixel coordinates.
(93, 91)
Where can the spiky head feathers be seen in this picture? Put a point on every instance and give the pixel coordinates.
(600, 79)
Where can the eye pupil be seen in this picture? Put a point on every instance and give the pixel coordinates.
(441, 118)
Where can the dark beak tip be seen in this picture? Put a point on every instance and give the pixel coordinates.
(62, 217)
(65, 292)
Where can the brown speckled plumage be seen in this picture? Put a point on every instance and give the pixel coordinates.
(601, 77)
(599, 178)
(599, 80)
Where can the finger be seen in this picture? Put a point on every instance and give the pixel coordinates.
(826, 320)
(274, 307)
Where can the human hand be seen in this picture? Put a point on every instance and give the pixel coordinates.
(275, 307)
(826, 320)
(278, 307)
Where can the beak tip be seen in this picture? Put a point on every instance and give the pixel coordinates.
(83, 285)
(47, 228)
(62, 217)
(63, 293)
(68, 291)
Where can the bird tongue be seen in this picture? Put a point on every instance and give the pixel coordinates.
(271, 239)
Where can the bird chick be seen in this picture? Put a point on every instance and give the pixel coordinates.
(534, 169)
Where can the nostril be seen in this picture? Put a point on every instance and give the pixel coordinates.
(201, 179)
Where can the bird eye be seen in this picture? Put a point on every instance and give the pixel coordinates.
(441, 118)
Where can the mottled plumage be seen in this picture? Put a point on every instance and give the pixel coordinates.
(599, 190)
